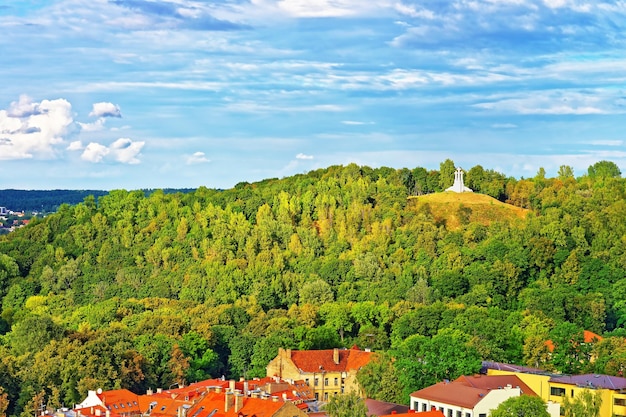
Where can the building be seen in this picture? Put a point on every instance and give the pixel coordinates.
(612, 391)
(327, 372)
(472, 396)
(555, 387)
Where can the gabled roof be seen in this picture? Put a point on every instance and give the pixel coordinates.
(120, 401)
(457, 394)
(322, 360)
(382, 408)
(592, 381)
(490, 382)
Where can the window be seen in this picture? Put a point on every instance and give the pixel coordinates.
(317, 396)
(325, 382)
(572, 394)
(468, 415)
(559, 392)
(619, 401)
(317, 380)
(459, 413)
(482, 415)
(325, 396)
(336, 381)
(307, 381)
(424, 407)
(449, 412)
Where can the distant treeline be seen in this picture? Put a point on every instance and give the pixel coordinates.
(48, 201)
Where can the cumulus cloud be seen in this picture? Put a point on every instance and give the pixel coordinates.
(33, 129)
(126, 151)
(105, 109)
(303, 156)
(75, 146)
(123, 150)
(197, 158)
(94, 152)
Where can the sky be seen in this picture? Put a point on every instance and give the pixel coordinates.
(130, 94)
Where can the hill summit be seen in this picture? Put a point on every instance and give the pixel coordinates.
(453, 209)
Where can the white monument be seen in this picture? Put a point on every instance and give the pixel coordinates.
(458, 186)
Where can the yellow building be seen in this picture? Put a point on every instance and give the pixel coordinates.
(554, 387)
(328, 372)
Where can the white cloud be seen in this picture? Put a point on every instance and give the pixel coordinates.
(303, 156)
(30, 129)
(105, 109)
(122, 150)
(94, 152)
(126, 151)
(75, 146)
(93, 127)
(197, 158)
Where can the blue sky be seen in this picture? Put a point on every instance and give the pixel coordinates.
(108, 94)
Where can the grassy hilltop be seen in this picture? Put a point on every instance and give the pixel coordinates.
(454, 210)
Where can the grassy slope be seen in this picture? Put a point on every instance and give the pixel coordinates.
(446, 208)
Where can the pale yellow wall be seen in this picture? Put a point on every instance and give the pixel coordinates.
(493, 399)
(538, 383)
(289, 410)
(607, 409)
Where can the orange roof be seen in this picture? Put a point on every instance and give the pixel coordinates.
(322, 360)
(490, 382)
(457, 394)
(97, 411)
(120, 401)
(588, 337)
(213, 404)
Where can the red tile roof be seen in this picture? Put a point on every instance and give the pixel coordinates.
(322, 360)
(452, 393)
(213, 405)
(490, 382)
(120, 401)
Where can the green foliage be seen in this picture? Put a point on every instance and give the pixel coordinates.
(524, 405)
(143, 289)
(346, 405)
(586, 404)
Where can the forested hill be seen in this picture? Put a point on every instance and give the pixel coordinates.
(48, 201)
(133, 290)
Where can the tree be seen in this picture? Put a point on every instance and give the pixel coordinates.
(446, 173)
(587, 403)
(604, 169)
(346, 405)
(565, 171)
(521, 406)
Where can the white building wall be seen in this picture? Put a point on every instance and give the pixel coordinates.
(92, 400)
(448, 410)
(494, 398)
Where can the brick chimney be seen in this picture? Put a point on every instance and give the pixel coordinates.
(228, 401)
(336, 356)
(238, 402)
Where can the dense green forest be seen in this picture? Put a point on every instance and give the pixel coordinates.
(48, 201)
(143, 291)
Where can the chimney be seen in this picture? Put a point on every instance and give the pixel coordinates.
(238, 402)
(159, 390)
(275, 398)
(285, 396)
(336, 356)
(98, 412)
(228, 401)
(108, 413)
(149, 391)
(231, 385)
(245, 388)
(218, 389)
